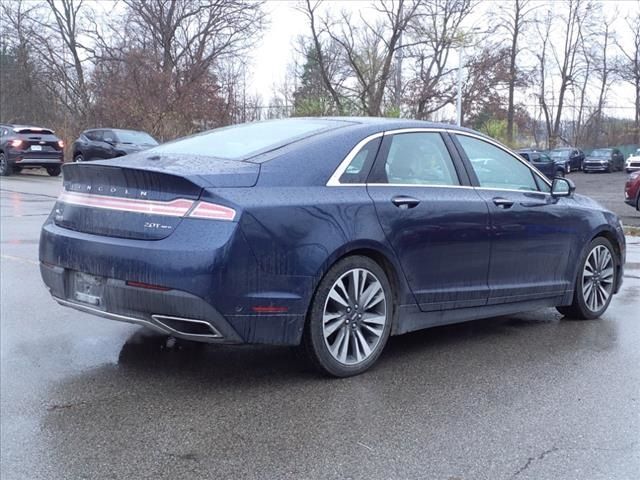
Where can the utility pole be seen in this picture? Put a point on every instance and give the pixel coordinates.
(398, 79)
(459, 96)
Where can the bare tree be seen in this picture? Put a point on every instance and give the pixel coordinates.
(515, 17)
(629, 70)
(436, 31)
(561, 61)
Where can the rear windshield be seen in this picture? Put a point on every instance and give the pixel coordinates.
(243, 141)
(137, 138)
(41, 131)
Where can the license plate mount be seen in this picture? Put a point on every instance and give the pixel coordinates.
(87, 288)
(36, 148)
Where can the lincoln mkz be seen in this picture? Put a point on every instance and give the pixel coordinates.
(331, 234)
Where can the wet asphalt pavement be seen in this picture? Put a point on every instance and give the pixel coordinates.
(608, 190)
(521, 397)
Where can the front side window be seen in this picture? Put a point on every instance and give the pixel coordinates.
(419, 158)
(137, 138)
(495, 168)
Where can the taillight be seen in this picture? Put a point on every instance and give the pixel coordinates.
(15, 143)
(212, 211)
(61, 143)
(180, 207)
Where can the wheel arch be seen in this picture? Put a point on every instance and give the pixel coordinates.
(386, 259)
(613, 239)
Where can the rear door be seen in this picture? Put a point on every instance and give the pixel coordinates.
(436, 224)
(532, 234)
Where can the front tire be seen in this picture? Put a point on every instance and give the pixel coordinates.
(559, 172)
(5, 168)
(595, 283)
(349, 321)
(78, 158)
(54, 171)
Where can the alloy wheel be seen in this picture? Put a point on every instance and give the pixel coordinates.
(597, 278)
(354, 316)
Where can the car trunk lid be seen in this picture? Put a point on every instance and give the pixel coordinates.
(143, 199)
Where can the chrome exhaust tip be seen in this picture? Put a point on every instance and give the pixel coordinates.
(187, 327)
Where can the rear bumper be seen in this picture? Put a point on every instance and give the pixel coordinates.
(35, 159)
(171, 312)
(211, 278)
(595, 167)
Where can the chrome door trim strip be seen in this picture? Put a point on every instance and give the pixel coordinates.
(334, 180)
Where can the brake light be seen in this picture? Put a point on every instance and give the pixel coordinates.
(212, 211)
(15, 143)
(180, 207)
(61, 143)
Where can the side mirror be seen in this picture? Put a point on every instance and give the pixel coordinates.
(562, 187)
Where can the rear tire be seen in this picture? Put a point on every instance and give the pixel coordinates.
(5, 168)
(54, 171)
(595, 282)
(349, 320)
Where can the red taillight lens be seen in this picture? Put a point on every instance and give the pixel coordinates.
(15, 143)
(61, 143)
(148, 286)
(180, 207)
(212, 211)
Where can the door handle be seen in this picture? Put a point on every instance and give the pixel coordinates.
(405, 202)
(503, 202)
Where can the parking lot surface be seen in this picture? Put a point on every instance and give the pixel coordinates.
(529, 396)
(608, 190)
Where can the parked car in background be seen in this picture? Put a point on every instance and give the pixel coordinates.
(571, 157)
(633, 162)
(25, 146)
(102, 143)
(332, 233)
(543, 162)
(632, 190)
(603, 160)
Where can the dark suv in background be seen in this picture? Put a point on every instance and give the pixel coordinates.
(543, 162)
(24, 146)
(101, 143)
(604, 160)
(572, 157)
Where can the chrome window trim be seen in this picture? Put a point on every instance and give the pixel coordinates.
(334, 180)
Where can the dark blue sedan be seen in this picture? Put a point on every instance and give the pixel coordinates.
(330, 233)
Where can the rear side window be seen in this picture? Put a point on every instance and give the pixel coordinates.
(360, 165)
(242, 141)
(495, 168)
(419, 158)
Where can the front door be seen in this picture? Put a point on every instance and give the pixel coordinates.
(532, 234)
(438, 228)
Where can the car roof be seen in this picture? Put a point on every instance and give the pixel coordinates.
(113, 129)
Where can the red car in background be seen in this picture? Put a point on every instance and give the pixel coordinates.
(632, 190)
